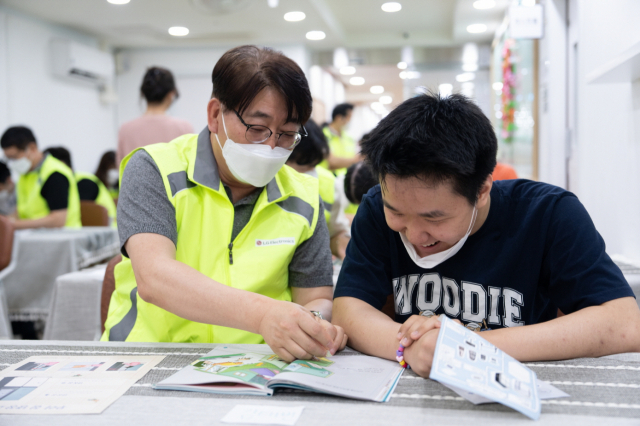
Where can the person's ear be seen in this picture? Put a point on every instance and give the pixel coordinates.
(214, 109)
(485, 191)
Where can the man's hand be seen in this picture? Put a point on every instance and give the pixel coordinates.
(420, 355)
(293, 332)
(415, 327)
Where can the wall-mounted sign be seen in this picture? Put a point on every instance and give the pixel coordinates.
(526, 21)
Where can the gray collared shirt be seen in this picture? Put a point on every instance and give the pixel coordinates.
(143, 207)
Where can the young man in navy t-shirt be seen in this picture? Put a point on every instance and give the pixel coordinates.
(440, 237)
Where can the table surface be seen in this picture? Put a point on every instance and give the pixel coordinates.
(603, 391)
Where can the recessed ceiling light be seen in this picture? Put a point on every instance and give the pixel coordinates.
(348, 70)
(467, 76)
(476, 28)
(376, 90)
(178, 31)
(118, 1)
(470, 67)
(316, 35)
(356, 81)
(385, 100)
(403, 75)
(391, 6)
(273, 3)
(402, 65)
(484, 4)
(294, 16)
(497, 85)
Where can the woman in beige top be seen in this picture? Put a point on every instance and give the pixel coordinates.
(159, 90)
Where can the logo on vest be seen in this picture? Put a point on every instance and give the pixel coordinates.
(276, 242)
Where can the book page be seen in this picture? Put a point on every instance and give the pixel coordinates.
(69, 384)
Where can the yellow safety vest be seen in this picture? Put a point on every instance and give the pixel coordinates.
(284, 216)
(327, 181)
(342, 146)
(104, 198)
(31, 205)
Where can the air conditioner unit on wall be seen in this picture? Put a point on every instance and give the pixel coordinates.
(78, 62)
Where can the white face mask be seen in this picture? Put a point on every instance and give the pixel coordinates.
(20, 166)
(431, 261)
(255, 164)
(112, 177)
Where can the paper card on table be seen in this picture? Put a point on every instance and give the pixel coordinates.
(263, 415)
(545, 391)
(466, 361)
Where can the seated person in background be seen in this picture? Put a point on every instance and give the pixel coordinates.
(7, 191)
(441, 237)
(47, 195)
(311, 150)
(503, 172)
(357, 182)
(220, 242)
(90, 188)
(108, 173)
(343, 151)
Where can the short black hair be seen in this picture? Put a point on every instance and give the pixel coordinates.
(312, 148)
(4, 172)
(341, 110)
(358, 181)
(17, 136)
(157, 83)
(61, 153)
(244, 71)
(437, 139)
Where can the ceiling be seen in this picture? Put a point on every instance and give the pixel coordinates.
(347, 23)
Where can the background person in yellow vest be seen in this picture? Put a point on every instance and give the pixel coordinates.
(108, 173)
(343, 151)
(90, 188)
(219, 237)
(47, 195)
(311, 150)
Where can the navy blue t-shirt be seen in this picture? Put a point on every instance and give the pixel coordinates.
(537, 251)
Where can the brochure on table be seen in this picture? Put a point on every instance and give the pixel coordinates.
(232, 370)
(69, 384)
(465, 361)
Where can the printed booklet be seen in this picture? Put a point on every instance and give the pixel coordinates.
(233, 370)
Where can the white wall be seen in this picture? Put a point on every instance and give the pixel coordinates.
(607, 150)
(191, 68)
(59, 112)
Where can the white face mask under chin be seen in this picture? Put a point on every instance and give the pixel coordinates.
(433, 260)
(254, 164)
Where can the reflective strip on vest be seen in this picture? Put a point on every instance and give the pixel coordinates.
(179, 182)
(298, 206)
(120, 331)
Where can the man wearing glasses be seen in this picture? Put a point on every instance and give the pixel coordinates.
(218, 237)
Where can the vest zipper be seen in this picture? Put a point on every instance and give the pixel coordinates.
(231, 253)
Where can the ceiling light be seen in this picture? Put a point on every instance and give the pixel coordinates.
(348, 70)
(445, 89)
(391, 6)
(469, 67)
(178, 31)
(386, 100)
(294, 16)
(403, 75)
(402, 65)
(411, 75)
(497, 85)
(273, 3)
(377, 106)
(356, 81)
(484, 4)
(477, 28)
(316, 35)
(376, 90)
(118, 1)
(467, 76)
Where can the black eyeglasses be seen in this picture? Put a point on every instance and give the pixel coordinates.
(257, 133)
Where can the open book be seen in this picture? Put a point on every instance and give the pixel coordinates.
(232, 370)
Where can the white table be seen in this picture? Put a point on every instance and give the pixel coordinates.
(75, 306)
(45, 254)
(603, 392)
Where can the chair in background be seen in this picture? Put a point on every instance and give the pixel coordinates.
(8, 245)
(92, 214)
(108, 287)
